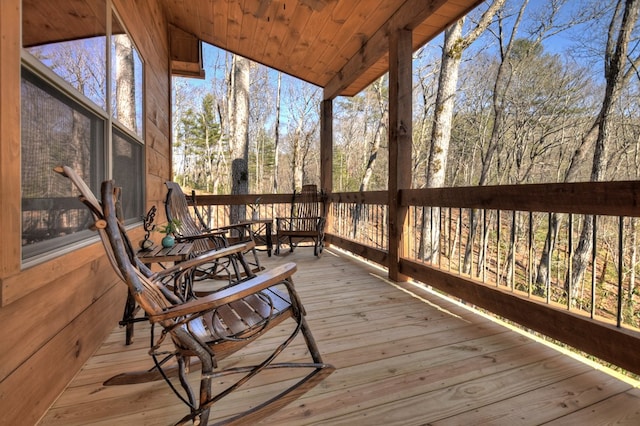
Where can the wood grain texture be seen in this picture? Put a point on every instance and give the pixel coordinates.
(57, 313)
(404, 356)
(340, 45)
(10, 201)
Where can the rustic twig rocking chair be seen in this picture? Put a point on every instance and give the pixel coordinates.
(212, 327)
(306, 222)
(203, 238)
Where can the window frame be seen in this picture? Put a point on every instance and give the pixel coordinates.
(51, 82)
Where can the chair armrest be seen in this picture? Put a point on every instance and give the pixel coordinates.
(229, 294)
(208, 257)
(234, 226)
(204, 235)
(294, 223)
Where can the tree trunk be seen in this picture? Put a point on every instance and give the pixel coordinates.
(277, 136)
(125, 88)
(380, 133)
(239, 126)
(620, 29)
(454, 45)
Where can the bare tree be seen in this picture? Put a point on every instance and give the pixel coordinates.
(618, 69)
(277, 134)
(238, 111)
(454, 46)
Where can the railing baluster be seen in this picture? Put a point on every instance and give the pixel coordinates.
(483, 248)
(439, 243)
(530, 251)
(594, 268)
(512, 250)
(498, 226)
(460, 241)
(570, 261)
(550, 253)
(620, 265)
(449, 239)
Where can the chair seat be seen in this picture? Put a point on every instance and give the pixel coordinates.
(306, 221)
(302, 234)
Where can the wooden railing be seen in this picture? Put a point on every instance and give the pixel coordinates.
(484, 246)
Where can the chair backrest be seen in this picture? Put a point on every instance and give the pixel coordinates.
(176, 207)
(307, 204)
(151, 296)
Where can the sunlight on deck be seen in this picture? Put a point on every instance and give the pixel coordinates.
(404, 355)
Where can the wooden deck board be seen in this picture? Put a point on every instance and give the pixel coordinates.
(401, 359)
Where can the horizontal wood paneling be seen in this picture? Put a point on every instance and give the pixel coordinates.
(42, 314)
(29, 391)
(48, 273)
(10, 206)
(57, 313)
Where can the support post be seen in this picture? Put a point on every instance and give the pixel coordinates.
(400, 140)
(326, 156)
(10, 201)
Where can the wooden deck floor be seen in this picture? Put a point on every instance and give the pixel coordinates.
(401, 360)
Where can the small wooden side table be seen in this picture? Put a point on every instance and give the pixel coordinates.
(261, 233)
(156, 254)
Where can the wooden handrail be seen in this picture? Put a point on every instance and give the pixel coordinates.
(620, 198)
(599, 336)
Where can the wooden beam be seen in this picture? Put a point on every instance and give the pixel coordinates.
(400, 141)
(10, 201)
(372, 254)
(369, 197)
(185, 51)
(407, 17)
(326, 146)
(326, 155)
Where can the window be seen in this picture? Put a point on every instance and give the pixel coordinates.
(67, 118)
(128, 172)
(126, 73)
(59, 131)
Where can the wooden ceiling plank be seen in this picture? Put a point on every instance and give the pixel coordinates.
(295, 31)
(234, 24)
(283, 15)
(220, 23)
(329, 39)
(369, 26)
(341, 45)
(262, 27)
(205, 14)
(255, 23)
(310, 43)
(48, 22)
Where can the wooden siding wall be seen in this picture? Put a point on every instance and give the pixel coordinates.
(57, 313)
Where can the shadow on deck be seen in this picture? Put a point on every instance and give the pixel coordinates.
(401, 359)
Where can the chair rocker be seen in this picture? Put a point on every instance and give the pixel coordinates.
(305, 223)
(210, 328)
(204, 238)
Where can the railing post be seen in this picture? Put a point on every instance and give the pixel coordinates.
(400, 132)
(326, 159)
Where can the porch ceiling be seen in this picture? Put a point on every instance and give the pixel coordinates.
(340, 46)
